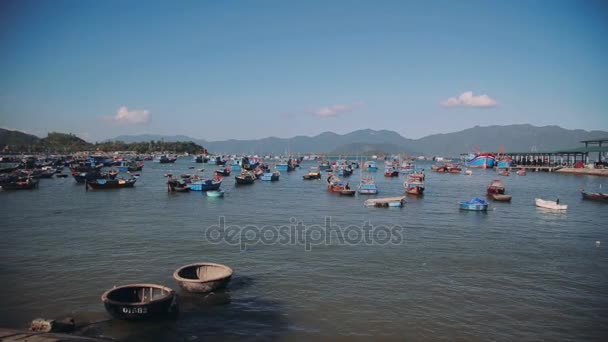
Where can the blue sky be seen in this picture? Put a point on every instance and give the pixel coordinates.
(250, 69)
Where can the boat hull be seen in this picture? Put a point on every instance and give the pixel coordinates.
(203, 277)
(481, 162)
(549, 204)
(140, 302)
(595, 196)
(474, 207)
(205, 185)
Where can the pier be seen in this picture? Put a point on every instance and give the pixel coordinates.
(574, 160)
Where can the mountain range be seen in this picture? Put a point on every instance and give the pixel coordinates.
(513, 138)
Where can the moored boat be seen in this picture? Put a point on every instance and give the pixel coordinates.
(313, 173)
(271, 176)
(391, 172)
(482, 160)
(595, 196)
(370, 166)
(367, 186)
(385, 202)
(476, 204)
(496, 187)
(140, 301)
(202, 277)
(110, 183)
(414, 187)
(223, 172)
(21, 184)
(347, 192)
(246, 177)
(501, 197)
(178, 185)
(334, 184)
(550, 204)
(203, 184)
(521, 172)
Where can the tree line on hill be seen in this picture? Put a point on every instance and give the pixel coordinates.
(18, 142)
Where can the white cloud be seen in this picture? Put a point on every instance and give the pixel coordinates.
(133, 116)
(337, 109)
(467, 99)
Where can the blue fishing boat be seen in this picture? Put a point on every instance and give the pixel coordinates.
(505, 163)
(324, 165)
(271, 176)
(235, 165)
(367, 186)
(282, 166)
(370, 166)
(481, 160)
(205, 184)
(476, 204)
(123, 166)
(345, 171)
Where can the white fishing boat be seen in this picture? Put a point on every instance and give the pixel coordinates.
(550, 204)
(385, 202)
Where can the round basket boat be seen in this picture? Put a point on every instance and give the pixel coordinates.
(202, 277)
(140, 301)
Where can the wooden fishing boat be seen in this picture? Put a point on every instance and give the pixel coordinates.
(550, 204)
(453, 169)
(476, 204)
(202, 277)
(223, 172)
(521, 172)
(496, 187)
(385, 202)
(178, 185)
(348, 192)
(246, 177)
(83, 177)
(313, 173)
(414, 187)
(111, 183)
(140, 301)
(504, 173)
(417, 176)
(258, 173)
(501, 197)
(595, 196)
(215, 193)
(391, 172)
(21, 184)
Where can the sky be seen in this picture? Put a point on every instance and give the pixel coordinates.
(248, 69)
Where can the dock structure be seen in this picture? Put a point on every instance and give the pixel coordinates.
(566, 158)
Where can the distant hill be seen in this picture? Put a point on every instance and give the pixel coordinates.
(366, 149)
(16, 140)
(61, 142)
(514, 138)
(152, 137)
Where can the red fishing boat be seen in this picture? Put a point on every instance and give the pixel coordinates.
(496, 187)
